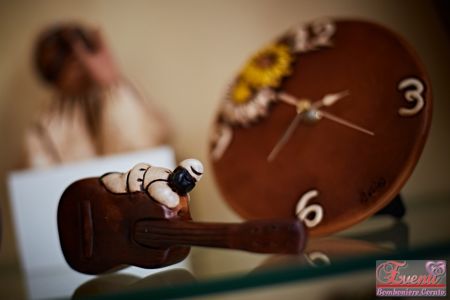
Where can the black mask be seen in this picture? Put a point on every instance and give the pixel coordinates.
(181, 182)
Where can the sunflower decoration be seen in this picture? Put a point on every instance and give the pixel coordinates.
(254, 88)
(258, 82)
(268, 67)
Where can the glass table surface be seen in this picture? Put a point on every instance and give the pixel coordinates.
(423, 233)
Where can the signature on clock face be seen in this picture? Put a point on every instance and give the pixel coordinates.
(374, 187)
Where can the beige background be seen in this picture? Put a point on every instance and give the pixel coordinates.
(183, 53)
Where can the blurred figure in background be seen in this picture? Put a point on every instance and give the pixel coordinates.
(95, 110)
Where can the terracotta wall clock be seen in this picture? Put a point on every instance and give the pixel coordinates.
(325, 124)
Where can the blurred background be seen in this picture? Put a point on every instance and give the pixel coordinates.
(182, 54)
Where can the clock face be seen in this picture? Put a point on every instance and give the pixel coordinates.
(325, 124)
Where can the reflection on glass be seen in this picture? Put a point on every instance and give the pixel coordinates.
(115, 283)
(321, 252)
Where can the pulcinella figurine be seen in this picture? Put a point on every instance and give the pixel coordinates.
(161, 184)
(142, 218)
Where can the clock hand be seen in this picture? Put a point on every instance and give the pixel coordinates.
(287, 134)
(287, 98)
(302, 107)
(327, 100)
(310, 112)
(330, 99)
(326, 115)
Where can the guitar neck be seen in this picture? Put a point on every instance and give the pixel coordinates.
(276, 236)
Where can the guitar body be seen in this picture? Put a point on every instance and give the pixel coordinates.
(96, 228)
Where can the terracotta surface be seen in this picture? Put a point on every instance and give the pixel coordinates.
(355, 174)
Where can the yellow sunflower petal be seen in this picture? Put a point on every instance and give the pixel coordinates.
(268, 67)
(241, 93)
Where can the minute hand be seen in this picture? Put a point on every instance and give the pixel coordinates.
(341, 121)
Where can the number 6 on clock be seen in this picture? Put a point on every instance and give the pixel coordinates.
(302, 211)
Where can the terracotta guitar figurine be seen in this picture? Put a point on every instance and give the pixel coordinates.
(142, 218)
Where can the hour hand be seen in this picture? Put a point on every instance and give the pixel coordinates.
(327, 100)
(330, 99)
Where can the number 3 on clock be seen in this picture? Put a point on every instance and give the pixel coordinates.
(413, 94)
